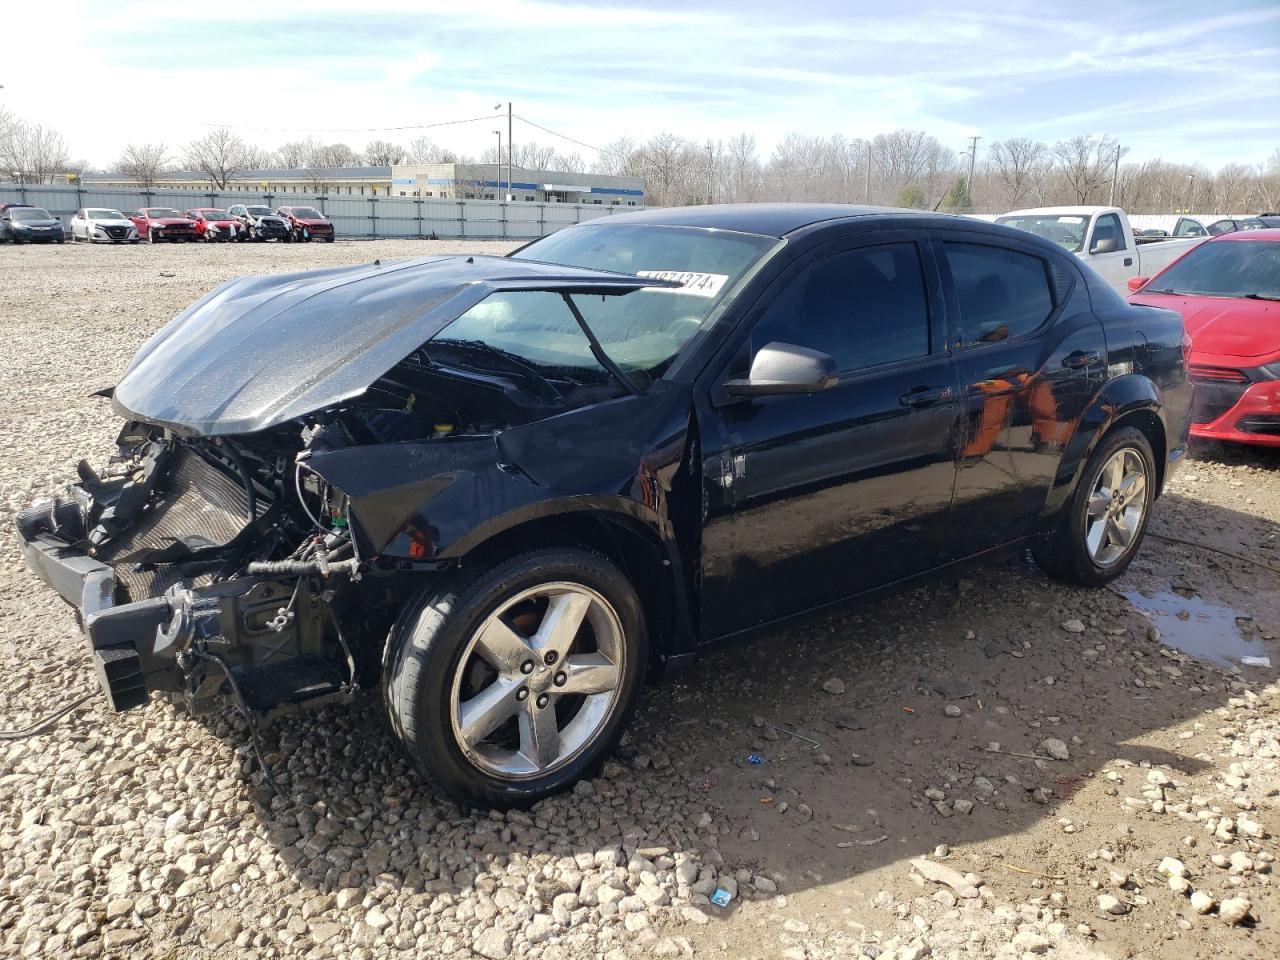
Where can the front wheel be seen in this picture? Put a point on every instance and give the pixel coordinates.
(1102, 526)
(513, 684)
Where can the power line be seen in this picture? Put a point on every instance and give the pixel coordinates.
(416, 126)
(562, 136)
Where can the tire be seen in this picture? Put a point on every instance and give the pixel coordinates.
(151, 237)
(433, 668)
(1089, 547)
(329, 239)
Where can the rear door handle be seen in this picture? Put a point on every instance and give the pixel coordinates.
(924, 396)
(1080, 359)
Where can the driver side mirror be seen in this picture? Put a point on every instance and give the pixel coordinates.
(1107, 245)
(784, 368)
(1137, 283)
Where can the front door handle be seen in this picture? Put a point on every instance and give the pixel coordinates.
(1079, 359)
(1128, 261)
(924, 396)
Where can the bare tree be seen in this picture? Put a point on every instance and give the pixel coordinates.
(742, 176)
(1084, 163)
(1016, 164)
(219, 155)
(36, 153)
(143, 162)
(424, 150)
(383, 153)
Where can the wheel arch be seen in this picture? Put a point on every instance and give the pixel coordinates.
(1131, 400)
(637, 547)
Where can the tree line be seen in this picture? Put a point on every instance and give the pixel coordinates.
(904, 168)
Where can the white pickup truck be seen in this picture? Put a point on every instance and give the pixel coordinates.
(1102, 238)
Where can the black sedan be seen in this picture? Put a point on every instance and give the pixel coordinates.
(22, 223)
(506, 490)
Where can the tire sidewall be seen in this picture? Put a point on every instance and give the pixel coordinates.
(1124, 438)
(423, 653)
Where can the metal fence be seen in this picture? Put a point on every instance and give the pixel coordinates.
(363, 217)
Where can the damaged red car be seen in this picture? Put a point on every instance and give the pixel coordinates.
(307, 223)
(504, 491)
(213, 224)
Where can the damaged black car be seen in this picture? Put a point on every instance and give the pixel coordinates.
(507, 490)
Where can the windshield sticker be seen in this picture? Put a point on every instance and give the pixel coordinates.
(692, 284)
(1071, 219)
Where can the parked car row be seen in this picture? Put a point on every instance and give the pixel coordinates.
(24, 223)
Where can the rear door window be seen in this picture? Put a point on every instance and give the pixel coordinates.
(1001, 293)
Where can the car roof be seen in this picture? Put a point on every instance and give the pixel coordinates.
(766, 219)
(1271, 233)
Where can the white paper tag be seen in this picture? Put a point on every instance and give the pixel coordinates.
(692, 284)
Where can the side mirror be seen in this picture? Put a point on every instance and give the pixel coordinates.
(1104, 246)
(784, 368)
(1137, 283)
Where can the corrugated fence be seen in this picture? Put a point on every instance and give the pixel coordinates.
(366, 217)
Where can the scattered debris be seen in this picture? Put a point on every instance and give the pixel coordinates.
(756, 759)
(939, 873)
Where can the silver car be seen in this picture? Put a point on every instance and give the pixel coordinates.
(99, 223)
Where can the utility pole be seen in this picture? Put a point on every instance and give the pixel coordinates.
(510, 189)
(1115, 175)
(973, 156)
(867, 197)
(711, 173)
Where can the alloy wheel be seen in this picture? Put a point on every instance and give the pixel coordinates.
(538, 681)
(1117, 507)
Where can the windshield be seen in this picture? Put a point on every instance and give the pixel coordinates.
(157, 212)
(104, 215)
(1066, 230)
(1233, 268)
(29, 213)
(215, 215)
(307, 213)
(640, 331)
(261, 211)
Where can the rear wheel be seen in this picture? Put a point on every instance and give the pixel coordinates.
(1102, 527)
(512, 685)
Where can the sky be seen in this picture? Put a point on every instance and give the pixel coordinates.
(1188, 82)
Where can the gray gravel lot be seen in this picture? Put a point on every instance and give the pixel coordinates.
(153, 834)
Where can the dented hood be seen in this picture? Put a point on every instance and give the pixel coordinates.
(260, 351)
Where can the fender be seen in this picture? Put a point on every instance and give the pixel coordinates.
(1118, 398)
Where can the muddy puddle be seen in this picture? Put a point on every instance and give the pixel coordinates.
(1206, 630)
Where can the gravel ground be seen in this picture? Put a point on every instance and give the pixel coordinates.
(992, 766)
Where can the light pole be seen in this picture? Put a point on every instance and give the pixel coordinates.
(497, 183)
(1191, 190)
(973, 156)
(711, 173)
(510, 138)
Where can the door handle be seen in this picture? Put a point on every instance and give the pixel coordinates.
(1079, 359)
(1128, 261)
(924, 396)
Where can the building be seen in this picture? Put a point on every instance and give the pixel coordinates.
(458, 181)
(488, 181)
(334, 181)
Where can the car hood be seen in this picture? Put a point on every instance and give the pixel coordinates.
(259, 351)
(1223, 326)
(112, 222)
(309, 222)
(37, 223)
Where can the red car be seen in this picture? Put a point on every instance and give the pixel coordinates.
(1228, 292)
(163, 223)
(307, 223)
(214, 224)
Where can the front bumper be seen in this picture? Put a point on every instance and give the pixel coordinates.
(261, 232)
(1251, 414)
(267, 632)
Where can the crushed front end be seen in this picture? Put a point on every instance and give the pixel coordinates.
(198, 564)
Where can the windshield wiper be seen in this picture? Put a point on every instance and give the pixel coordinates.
(1260, 296)
(1153, 290)
(513, 362)
(597, 351)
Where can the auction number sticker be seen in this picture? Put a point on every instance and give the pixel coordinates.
(693, 284)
